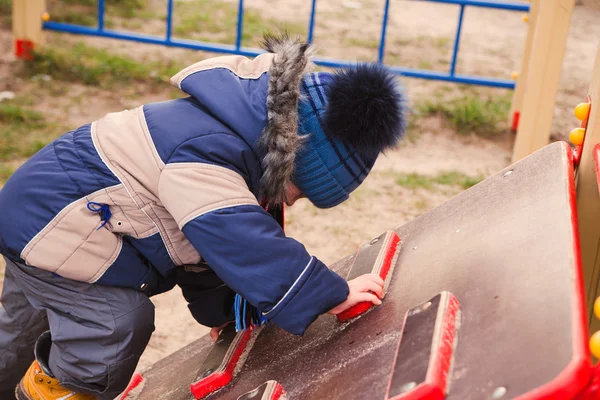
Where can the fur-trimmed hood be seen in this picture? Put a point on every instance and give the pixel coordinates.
(360, 109)
(280, 141)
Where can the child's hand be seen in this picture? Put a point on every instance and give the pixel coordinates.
(214, 332)
(368, 287)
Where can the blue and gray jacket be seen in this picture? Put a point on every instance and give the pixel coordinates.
(132, 199)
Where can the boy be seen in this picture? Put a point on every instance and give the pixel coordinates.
(107, 215)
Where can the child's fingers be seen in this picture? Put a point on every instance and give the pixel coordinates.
(373, 287)
(367, 297)
(214, 334)
(374, 278)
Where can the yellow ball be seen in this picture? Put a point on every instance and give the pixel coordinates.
(514, 75)
(582, 111)
(45, 17)
(576, 136)
(595, 344)
(597, 307)
(525, 18)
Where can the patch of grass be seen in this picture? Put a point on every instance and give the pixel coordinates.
(455, 178)
(415, 181)
(5, 12)
(95, 66)
(127, 8)
(255, 26)
(34, 146)
(21, 131)
(5, 172)
(471, 113)
(421, 204)
(441, 42)
(363, 194)
(401, 41)
(77, 12)
(413, 130)
(337, 230)
(393, 59)
(443, 89)
(5, 7)
(364, 43)
(85, 12)
(79, 18)
(133, 24)
(89, 3)
(216, 21)
(14, 114)
(423, 64)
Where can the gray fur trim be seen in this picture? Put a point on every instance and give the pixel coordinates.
(280, 139)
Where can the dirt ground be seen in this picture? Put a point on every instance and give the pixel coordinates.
(420, 35)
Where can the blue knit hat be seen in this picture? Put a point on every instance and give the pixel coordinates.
(347, 119)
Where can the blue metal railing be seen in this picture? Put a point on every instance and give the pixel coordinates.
(237, 48)
(457, 40)
(240, 25)
(100, 15)
(169, 29)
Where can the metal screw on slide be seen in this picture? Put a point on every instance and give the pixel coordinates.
(253, 393)
(408, 387)
(499, 393)
(419, 309)
(376, 257)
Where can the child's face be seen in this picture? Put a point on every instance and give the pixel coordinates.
(292, 193)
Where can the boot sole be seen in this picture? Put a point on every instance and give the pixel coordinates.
(20, 394)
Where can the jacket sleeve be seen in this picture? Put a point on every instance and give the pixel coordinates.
(210, 300)
(244, 245)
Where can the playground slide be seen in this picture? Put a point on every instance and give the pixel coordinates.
(484, 301)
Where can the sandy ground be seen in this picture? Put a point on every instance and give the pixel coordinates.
(419, 33)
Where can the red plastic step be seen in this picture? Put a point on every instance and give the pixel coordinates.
(425, 353)
(377, 257)
(218, 367)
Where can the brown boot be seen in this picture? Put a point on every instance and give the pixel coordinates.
(39, 383)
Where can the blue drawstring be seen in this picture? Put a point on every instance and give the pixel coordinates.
(102, 209)
(236, 311)
(246, 315)
(262, 319)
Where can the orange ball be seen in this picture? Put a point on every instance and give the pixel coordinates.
(595, 344)
(576, 136)
(597, 308)
(582, 111)
(525, 18)
(45, 16)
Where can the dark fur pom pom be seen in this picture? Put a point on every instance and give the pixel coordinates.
(366, 108)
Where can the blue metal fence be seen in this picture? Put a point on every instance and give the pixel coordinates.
(169, 40)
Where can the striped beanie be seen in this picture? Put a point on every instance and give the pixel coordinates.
(347, 119)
